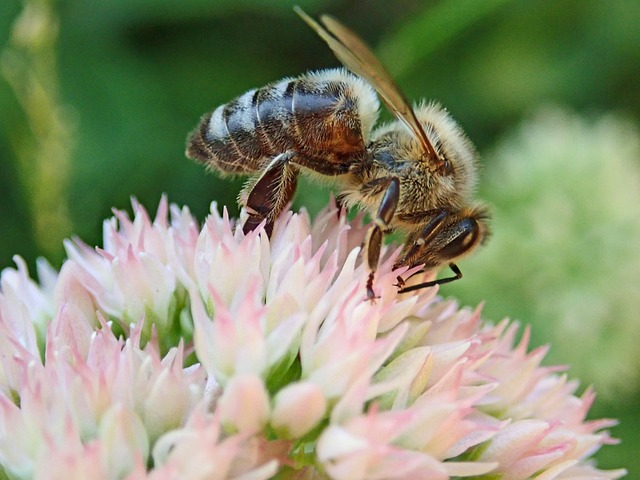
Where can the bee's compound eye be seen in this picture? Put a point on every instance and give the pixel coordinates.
(461, 237)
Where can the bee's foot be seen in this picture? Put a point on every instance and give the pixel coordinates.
(400, 283)
(371, 295)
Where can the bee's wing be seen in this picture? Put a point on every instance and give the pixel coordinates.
(357, 57)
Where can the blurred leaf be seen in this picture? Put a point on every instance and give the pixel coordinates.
(99, 14)
(424, 33)
(41, 138)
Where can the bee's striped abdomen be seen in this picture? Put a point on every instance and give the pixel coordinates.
(318, 115)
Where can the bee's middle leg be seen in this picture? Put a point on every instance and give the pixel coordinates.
(381, 223)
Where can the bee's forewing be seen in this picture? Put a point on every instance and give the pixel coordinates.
(358, 57)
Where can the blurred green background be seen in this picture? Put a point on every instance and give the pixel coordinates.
(96, 99)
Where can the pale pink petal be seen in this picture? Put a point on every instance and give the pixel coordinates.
(244, 405)
(298, 408)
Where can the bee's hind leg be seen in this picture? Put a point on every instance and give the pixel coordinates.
(271, 192)
(275, 186)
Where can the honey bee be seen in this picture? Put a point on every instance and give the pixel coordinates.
(416, 174)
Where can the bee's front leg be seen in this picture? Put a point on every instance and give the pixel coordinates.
(381, 223)
(441, 236)
(457, 275)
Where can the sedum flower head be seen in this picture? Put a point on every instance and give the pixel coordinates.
(176, 351)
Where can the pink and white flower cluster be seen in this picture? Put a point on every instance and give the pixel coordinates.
(176, 352)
